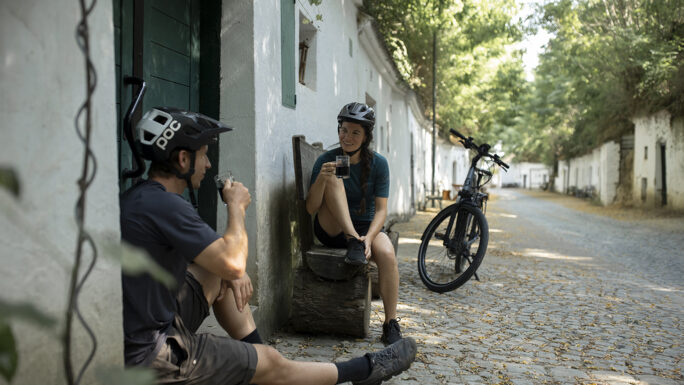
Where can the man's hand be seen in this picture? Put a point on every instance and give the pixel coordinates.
(367, 242)
(242, 290)
(236, 193)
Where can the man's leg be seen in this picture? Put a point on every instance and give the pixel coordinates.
(273, 368)
(372, 368)
(388, 274)
(237, 324)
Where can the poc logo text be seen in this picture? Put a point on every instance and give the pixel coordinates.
(168, 133)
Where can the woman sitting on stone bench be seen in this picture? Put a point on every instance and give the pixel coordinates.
(351, 212)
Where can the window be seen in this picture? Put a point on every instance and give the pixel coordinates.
(307, 52)
(646, 152)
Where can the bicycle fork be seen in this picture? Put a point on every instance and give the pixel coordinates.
(459, 244)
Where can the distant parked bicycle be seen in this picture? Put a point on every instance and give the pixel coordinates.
(455, 242)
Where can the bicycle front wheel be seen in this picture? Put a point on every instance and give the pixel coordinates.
(452, 247)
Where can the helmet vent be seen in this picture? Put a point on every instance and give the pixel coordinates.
(161, 119)
(148, 136)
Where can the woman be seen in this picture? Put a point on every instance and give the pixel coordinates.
(351, 212)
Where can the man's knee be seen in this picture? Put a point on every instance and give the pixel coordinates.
(271, 366)
(211, 283)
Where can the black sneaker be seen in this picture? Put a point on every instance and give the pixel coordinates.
(356, 252)
(391, 361)
(391, 332)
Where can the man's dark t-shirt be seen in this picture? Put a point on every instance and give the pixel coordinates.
(173, 234)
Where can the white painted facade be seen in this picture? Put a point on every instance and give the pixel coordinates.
(654, 134)
(599, 169)
(526, 175)
(42, 80)
(350, 64)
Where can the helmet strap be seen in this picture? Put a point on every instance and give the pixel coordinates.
(351, 153)
(187, 177)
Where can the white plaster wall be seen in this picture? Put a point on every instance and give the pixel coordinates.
(561, 180)
(237, 109)
(42, 80)
(259, 152)
(600, 168)
(527, 175)
(609, 171)
(650, 131)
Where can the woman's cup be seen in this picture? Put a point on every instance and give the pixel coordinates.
(342, 166)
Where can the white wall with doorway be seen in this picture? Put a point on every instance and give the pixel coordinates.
(598, 170)
(658, 160)
(526, 175)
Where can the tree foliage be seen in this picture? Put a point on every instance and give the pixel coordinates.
(608, 60)
(478, 76)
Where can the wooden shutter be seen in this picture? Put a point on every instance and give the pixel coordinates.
(287, 51)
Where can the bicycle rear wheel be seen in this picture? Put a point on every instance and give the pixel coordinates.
(449, 255)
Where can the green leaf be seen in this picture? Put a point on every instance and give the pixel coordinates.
(9, 180)
(8, 352)
(24, 312)
(135, 261)
(128, 376)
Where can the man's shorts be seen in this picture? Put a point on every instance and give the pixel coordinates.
(339, 241)
(189, 358)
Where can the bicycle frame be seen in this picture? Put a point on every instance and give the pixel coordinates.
(469, 194)
(460, 228)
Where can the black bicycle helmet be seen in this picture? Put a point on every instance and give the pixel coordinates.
(358, 113)
(164, 129)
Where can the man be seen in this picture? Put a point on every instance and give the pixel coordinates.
(209, 270)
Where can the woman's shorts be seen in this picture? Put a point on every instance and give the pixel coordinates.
(339, 241)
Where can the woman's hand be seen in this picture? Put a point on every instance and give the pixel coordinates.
(327, 170)
(367, 242)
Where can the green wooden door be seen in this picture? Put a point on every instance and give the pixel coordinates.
(159, 41)
(171, 54)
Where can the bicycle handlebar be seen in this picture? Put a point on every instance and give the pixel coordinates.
(481, 149)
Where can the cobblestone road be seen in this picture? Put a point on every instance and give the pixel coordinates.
(552, 307)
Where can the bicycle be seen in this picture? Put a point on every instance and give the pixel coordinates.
(454, 244)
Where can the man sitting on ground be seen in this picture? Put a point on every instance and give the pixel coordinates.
(160, 324)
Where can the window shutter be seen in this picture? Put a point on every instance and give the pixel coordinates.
(287, 51)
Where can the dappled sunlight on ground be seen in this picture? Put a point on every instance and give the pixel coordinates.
(544, 312)
(539, 253)
(403, 241)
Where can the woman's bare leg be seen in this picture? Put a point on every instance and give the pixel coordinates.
(388, 274)
(333, 215)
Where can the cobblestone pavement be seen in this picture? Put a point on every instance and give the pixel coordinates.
(547, 311)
